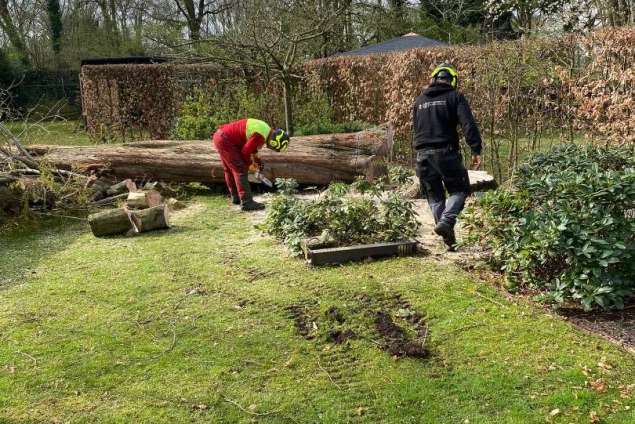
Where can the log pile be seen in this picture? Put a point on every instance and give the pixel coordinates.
(124, 221)
(143, 211)
(312, 160)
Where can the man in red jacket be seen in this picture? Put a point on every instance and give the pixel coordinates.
(238, 143)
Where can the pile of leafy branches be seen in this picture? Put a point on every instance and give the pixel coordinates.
(565, 225)
(342, 215)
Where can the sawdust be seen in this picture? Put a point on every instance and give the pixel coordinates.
(192, 209)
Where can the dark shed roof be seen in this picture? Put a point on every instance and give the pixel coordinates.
(405, 42)
(131, 60)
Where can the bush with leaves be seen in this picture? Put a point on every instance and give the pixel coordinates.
(204, 110)
(341, 216)
(316, 116)
(565, 225)
(199, 117)
(399, 175)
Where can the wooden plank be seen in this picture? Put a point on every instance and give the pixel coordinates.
(340, 255)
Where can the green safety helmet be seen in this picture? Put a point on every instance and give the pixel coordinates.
(446, 71)
(279, 140)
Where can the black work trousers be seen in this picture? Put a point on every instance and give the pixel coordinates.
(440, 170)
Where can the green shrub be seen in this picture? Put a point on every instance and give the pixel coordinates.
(340, 216)
(316, 116)
(199, 116)
(565, 225)
(399, 175)
(203, 111)
(330, 128)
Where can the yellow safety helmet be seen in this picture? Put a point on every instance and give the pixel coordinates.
(279, 140)
(446, 71)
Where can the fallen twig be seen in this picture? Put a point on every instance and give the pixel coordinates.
(328, 375)
(489, 299)
(109, 200)
(59, 216)
(425, 337)
(246, 411)
(26, 156)
(28, 356)
(463, 328)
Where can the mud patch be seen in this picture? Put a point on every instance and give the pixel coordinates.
(396, 340)
(335, 314)
(303, 322)
(339, 336)
(384, 318)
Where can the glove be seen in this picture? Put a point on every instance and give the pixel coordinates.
(256, 164)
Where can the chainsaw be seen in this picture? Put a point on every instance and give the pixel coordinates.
(261, 177)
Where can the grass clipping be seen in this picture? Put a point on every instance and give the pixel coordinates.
(342, 215)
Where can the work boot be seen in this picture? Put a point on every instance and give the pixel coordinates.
(251, 205)
(235, 199)
(248, 203)
(447, 232)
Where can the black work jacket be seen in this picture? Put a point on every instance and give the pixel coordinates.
(435, 116)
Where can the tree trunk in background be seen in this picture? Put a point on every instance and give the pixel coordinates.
(55, 21)
(109, 12)
(9, 28)
(317, 159)
(193, 15)
(288, 104)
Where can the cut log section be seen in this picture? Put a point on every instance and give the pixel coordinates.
(124, 186)
(143, 199)
(151, 219)
(110, 222)
(479, 181)
(316, 159)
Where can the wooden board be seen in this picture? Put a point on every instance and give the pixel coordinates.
(340, 255)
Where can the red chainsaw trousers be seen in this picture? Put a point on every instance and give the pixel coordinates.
(233, 163)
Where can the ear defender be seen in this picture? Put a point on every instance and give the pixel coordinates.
(446, 70)
(279, 140)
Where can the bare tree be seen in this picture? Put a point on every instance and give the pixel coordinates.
(273, 35)
(195, 11)
(9, 27)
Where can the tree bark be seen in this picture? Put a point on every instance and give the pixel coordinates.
(55, 22)
(110, 222)
(288, 105)
(151, 219)
(10, 29)
(317, 159)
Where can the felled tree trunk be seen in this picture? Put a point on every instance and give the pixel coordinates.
(317, 159)
(151, 219)
(110, 222)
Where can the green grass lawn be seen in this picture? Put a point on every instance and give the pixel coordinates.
(53, 132)
(195, 325)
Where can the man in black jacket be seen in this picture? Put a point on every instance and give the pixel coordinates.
(436, 113)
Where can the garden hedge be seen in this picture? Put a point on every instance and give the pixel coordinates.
(517, 88)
